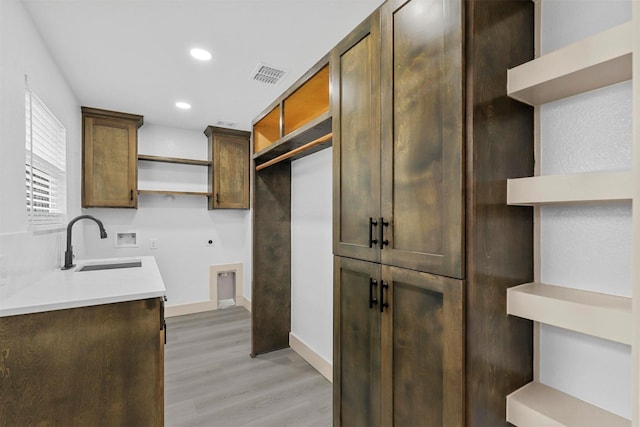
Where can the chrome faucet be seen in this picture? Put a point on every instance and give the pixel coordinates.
(68, 254)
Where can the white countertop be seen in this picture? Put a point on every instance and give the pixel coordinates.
(58, 289)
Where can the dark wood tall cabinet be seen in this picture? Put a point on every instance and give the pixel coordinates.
(398, 181)
(424, 139)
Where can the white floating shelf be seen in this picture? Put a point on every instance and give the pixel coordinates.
(568, 189)
(600, 315)
(594, 62)
(538, 405)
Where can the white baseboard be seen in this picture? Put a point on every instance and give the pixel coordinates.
(242, 301)
(200, 307)
(318, 362)
(197, 307)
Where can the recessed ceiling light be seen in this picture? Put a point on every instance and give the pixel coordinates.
(200, 54)
(183, 105)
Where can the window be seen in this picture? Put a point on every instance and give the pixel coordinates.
(45, 165)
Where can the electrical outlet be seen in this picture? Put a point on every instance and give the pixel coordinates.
(153, 243)
(209, 243)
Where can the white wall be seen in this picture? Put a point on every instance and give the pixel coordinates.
(22, 51)
(311, 253)
(586, 247)
(181, 224)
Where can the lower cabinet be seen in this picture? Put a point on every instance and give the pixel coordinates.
(398, 347)
(91, 366)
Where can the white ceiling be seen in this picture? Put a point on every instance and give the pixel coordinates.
(133, 55)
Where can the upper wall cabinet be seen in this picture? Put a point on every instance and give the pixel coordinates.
(406, 209)
(109, 158)
(296, 124)
(229, 168)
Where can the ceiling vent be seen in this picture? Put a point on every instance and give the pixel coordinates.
(226, 123)
(267, 74)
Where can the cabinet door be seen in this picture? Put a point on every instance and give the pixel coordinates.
(355, 98)
(422, 135)
(89, 366)
(356, 360)
(109, 150)
(422, 349)
(230, 172)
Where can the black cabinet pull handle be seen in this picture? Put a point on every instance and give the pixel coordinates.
(384, 285)
(217, 198)
(372, 223)
(131, 196)
(372, 299)
(383, 224)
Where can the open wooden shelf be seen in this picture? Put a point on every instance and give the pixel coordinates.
(175, 193)
(174, 160)
(536, 405)
(594, 62)
(267, 130)
(600, 315)
(569, 189)
(309, 101)
(311, 131)
(298, 123)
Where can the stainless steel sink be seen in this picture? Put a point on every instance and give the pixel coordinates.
(111, 265)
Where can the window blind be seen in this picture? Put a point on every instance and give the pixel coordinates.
(46, 180)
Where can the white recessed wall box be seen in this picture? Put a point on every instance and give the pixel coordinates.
(126, 239)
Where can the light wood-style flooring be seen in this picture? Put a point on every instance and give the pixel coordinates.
(210, 379)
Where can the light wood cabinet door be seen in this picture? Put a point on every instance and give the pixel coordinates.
(422, 346)
(355, 83)
(422, 136)
(109, 159)
(229, 172)
(356, 361)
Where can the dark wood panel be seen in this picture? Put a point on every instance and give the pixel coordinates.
(356, 139)
(422, 128)
(422, 349)
(271, 285)
(499, 237)
(357, 353)
(99, 366)
(418, 342)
